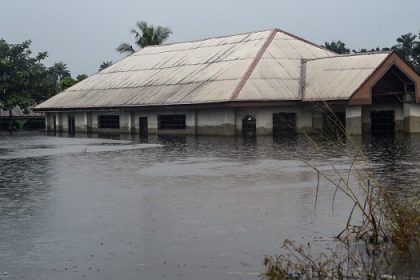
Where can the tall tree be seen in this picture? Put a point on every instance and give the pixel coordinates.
(145, 35)
(59, 71)
(409, 48)
(24, 80)
(337, 46)
(104, 65)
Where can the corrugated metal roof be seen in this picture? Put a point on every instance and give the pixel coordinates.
(184, 73)
(337, 78)
(255, 66)
(277, 74)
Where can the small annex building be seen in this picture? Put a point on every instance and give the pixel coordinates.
(258, 83)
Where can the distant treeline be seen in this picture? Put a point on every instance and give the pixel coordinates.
(408, 47)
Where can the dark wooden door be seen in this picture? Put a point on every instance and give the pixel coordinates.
(143, 129)
(71, 125)
(55, 124)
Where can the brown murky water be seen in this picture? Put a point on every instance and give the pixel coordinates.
(172, 208)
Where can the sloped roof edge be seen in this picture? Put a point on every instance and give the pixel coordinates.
(363, 94)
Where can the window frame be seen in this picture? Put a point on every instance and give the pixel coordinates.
(172, 122)
(109, 122)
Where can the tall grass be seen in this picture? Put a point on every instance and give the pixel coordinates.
(384, 237)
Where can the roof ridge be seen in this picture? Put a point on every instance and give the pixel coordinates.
(208, 38)
(304, 40)
(350, 55)
(253, 64)
(302, 79)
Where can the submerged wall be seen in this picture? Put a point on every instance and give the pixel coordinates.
(227, 121)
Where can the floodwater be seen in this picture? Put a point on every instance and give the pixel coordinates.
(173, 207)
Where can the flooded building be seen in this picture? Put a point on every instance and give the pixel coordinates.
(259, 83)
(22, 119)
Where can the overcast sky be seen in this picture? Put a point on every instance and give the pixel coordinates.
(83, 33)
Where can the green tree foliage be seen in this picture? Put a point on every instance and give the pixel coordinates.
(371, 50)
(104, 65)
(59, 71)
(145, 35)
(67, 82)
(24, 80)
(81, 77)
(337, 46)
(408, 46)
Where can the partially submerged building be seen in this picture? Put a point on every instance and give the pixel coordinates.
(263, 83)
(22, 119)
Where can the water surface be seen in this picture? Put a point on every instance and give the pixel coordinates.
(172, 208)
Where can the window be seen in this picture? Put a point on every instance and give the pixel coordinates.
(109, 121)
(284, 123)
(171, 122)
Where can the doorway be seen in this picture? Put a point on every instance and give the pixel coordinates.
(382, 122)
(333, 125)
(249, 126)
(284, 124)
(143, 127)
(54, 124)
(71, 125)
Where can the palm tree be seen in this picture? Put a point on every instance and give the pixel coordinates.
(409, 49)
(104, 65)
(406, 44)
(59, 71)
(145, 35)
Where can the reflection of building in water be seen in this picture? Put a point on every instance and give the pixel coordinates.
(259, 83)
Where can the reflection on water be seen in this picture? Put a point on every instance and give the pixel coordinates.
(188, 208)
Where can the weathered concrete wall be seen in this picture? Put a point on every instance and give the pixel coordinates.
(216, 122)
(412, 118)
(62, 122)
(304, 120)
(354, 120)
(124, 122)
(317, 121)
(49, 122)
(228, 121)
(80, 121)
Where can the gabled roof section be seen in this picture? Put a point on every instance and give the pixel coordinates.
(363, 94)
(276, 75)
(196, 72)
(339, 77)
